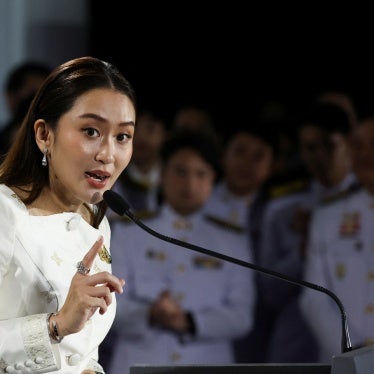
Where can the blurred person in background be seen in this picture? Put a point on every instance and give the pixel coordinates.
(139, 184)
(323, 144)
(340, 255)
(238, 201)
(181, 306)
(20, 87)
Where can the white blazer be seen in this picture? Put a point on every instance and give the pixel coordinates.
(38, 257)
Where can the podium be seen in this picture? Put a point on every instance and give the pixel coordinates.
(358, 361)
(233, 369)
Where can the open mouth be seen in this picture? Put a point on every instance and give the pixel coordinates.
(97, 177)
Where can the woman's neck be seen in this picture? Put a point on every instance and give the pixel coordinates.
(48, 203)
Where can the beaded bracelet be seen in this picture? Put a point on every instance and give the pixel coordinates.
(53, 330)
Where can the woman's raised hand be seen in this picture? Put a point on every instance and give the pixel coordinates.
(87, 293)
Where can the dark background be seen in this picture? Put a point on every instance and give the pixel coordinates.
(233, 58)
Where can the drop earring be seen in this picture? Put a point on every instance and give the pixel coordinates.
(44, 159)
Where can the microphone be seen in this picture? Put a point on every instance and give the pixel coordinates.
(122, 208)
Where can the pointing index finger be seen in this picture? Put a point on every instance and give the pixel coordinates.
(89, 258)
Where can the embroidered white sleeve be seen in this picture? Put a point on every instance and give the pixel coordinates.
(37, 344)
(95, 366)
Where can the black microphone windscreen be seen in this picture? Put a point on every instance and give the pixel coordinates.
(116, 202)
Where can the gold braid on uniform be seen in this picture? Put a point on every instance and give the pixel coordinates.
(131, 182)
(341, 194)
(141, 214)
(223, 223)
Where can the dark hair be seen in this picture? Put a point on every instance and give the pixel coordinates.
(199, 141)
(22, 166)
(263, 131)
(329, 117)
(17, 77)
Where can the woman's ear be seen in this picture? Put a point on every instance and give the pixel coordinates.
(42, 134)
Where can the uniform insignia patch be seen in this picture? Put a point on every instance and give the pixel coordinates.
(181, 224)
(155, 255)
(340, 271)
(207, 262)
(224, 224)
(350, 224)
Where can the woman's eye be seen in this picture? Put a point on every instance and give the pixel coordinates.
(91, 132)
(123, 137)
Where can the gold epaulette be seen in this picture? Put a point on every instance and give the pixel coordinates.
(126, 179)
(142, 215)
(146, 214)
(224, 223)
(284, 189)
(341, 194)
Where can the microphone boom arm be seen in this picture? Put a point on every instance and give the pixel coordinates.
(346, 343)
(122, 208)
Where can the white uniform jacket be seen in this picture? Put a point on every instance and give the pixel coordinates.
(219, 294)
(223, 204)
(341, 259)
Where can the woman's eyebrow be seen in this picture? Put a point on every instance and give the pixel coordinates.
(102, 119)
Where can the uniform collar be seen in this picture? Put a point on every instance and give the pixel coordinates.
(152, 178)
(322, 192)
(227, 195)
(180, 222)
